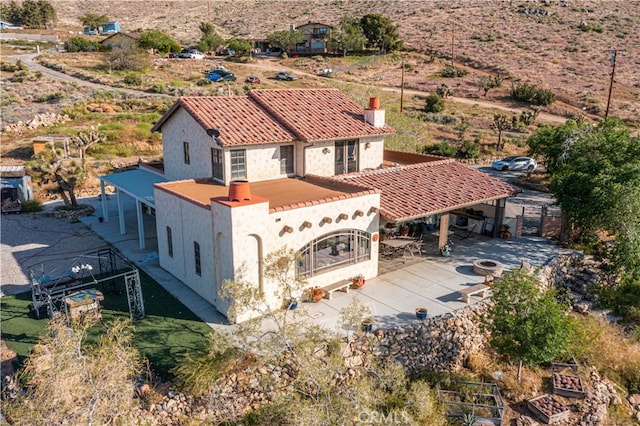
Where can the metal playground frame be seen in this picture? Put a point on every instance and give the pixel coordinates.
(104, 266)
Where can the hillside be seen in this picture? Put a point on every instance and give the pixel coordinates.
(536, 41)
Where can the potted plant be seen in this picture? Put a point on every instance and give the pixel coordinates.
(316, 294)
(404, 231)
(421, 313)
(504, 231)
(367, 325)
(445, 251)
(357, 281)
(293, 304)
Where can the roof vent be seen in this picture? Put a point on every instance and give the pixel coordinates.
(239, 190)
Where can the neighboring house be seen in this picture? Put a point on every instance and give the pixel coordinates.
(122, 41)
(315, 38)
(6, 25)
(244, 176)
(110, 28)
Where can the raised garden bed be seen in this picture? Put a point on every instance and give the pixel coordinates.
(548, 409)
(568, 385)
(481, 400)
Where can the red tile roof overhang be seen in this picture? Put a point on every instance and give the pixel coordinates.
(418, 190)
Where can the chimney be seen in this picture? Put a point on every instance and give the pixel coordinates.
(239, 190)
(374, 115)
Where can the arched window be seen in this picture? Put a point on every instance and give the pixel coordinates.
(334, 250)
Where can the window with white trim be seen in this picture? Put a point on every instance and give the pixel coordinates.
(286, 159)
(238, 164)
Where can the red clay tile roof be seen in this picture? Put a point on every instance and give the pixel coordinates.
(240, 121)
(418, 190)
(278, 115)
(317, 114)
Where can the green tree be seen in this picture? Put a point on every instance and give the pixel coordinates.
(210, 39)
(434, 103)
(241, 46)
(443, 149)
(73, 382)
(12, 13)
(93, 20)
(158, 41)
(284, 39)
(80, 44)
(595, 176)
(380, 32)
(526, 323)
(347, 37)
(47, 13)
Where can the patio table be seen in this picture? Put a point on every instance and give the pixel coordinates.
(397, 244)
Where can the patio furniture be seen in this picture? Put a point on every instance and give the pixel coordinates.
(479, 289)
(339, 286)
(414, 248)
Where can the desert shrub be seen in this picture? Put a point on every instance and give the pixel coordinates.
(453, 72)
(7, 67)
(79, 44)
(158, 88)
(444, 90)
(284, 55)
(532, 94)
(468, 149)
(439, 118)
(31, 206)
(623, 300)
(434, 103)
(441, 148)
(50, 97)
(133, 79)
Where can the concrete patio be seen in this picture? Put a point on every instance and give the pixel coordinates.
(428, 281)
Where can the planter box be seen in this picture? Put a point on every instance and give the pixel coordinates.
(568, 386)
(548, 409)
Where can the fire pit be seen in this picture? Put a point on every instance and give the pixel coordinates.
(488, 267)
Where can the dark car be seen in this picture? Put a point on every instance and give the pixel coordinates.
(285, 75)
(228, 77)
(253, 79)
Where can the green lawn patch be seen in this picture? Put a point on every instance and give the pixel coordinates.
(168, 329)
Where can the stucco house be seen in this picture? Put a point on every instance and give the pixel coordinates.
(315, 38)
(122, 41)
(244, 176)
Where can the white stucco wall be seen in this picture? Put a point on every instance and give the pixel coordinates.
(189, 222)
(320, 163)
(262, 162)
(179, 128)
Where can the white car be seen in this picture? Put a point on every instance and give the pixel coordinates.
(515, 163)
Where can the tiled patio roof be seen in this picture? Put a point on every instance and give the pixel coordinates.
(418, 190)
(317, 114)
(278, 115)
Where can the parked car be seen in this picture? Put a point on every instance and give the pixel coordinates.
(515, 163)
(325, 72)
(253, 79)
(285, 75)
(228, 77)
(190, 54)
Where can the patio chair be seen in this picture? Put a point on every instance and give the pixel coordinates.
(414, 248)
(386, 251)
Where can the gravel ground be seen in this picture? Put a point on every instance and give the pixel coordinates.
(38, 241)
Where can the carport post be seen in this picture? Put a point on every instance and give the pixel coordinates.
(120, 212)
(140, 223)
(103, 199)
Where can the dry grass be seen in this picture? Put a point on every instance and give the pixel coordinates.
(489, 36)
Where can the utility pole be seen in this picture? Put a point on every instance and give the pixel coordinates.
(614, 55)
(453, 37)
(402, 83)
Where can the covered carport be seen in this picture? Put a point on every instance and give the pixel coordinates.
(137, 184)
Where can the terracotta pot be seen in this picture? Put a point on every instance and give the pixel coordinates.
(317, 295)
(357, 283)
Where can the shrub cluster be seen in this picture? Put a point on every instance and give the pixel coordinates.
(533, 94)
(453, 72)
(79, 44)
